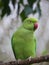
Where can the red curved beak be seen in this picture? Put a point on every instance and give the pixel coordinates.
(35, 26)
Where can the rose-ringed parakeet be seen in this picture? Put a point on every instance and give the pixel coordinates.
(24, 41)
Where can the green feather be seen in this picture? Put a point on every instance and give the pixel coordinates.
(23, 40)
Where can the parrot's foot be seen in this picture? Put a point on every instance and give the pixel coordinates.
(29, 58)
(19, 60)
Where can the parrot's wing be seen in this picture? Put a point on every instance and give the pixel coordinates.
(23, 44)
(13, 46)
(17, 44)
(35, 43)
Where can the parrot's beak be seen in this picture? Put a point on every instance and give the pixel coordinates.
(35, 26)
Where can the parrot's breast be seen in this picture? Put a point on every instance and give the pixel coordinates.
(23, 44)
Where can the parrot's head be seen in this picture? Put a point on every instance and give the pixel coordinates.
(30, 24)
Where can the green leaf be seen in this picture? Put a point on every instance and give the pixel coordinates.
(23, 16)
(1, 4)
(38, 8)
(31, 2)
(8, 11)
(5, 10)
(27, 10)
(21, 1)
(18, 9)
(5, 2)
(14, 2)
(45, 52)
(34, 11)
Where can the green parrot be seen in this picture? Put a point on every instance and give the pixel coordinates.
(23, 40)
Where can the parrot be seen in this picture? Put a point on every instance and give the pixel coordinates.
(23, 40)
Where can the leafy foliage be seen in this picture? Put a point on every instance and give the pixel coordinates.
(1, 4)
(28, 8)
(14, 2)
(5, 7)
(31, 2)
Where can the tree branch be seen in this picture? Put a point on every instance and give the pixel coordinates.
(27, 61)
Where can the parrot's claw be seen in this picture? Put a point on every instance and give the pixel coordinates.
(29, 58)
(19, 61)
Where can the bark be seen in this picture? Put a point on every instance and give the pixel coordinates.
(28, 61)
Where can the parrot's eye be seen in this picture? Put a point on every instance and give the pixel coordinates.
(30, 21)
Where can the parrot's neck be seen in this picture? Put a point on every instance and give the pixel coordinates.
(31, 31)
(26, 32)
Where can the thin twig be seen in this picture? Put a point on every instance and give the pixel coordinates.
(27, 61)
